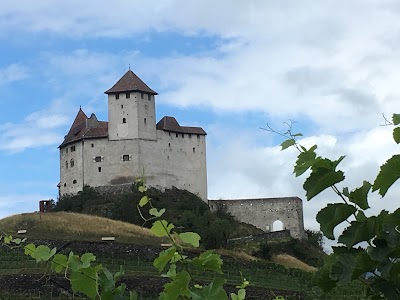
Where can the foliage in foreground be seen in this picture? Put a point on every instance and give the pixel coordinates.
(380, 259)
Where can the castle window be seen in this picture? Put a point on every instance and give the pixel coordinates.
(176, 134)
(126, 157)
(116, 96)
(141, 95)
(74, 182)
(123, 120)
(183, 135)
(190, 135)
(194, 150)
(198, 136)
(97, 159)
(92, 145)
(149, 96)
(128, 95)
(169, 144)
(72, 163)
(72, 148)
(122, 106)
(169, 133)
(145, 121)
(66, 150)
(99, 168)
(65, 184)
(66, 164)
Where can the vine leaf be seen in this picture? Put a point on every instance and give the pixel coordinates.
(396, 135)
(163, 258)
(305, 160)
(208, 261)
(389, 173)
(359, 231)
(332, 215)
(214, 290)
(59, 262)
(288, 143)
(396, 119)
(241, 295)
(161, 228)
(178, 287)
(86, 281)
(191, 238)
(157, 213)
(143, 201)
(323, 175)
(359, 196)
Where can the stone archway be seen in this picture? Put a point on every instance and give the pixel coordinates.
(278, 226)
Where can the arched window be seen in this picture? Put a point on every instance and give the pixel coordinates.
(74, 182)
(123, 120)
(72, 162)
(277, 226)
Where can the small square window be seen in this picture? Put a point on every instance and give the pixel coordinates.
(74, 182)
(99, 168)
(72, 148)
(128, 95)
(116, 96)
(125, 157)
(97, 159)
(123, 120)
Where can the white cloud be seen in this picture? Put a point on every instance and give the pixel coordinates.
(11, 73)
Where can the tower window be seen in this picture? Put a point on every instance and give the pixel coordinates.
(65, 184)
(74, 182)
(149, 97)
(92, 145)
(169, 144)
(198, 136)
(122, 106)
(183, 135)
(116, 96)
(169, 133)
(145, 121)
(72, 148)
(176, 134)
(99, 168)
(72, 162)
(141, 95)
(66, 164)
(190, 135)
(97, 159)
(123, 120)
(128, 95)
(194, 149)
(66, 150)
(125, 157)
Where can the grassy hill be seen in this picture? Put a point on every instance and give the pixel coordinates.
(76, 227)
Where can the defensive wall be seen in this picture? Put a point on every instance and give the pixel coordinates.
(268, 214)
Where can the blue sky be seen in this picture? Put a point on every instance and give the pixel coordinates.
(228, 66)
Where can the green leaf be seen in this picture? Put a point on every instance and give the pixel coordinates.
(359, 231)
(171, 272)
(30, 249)
(59, 262)
(241, 295)
(8, 239)
(359, 196)
(178, 287)
(288, 143)
(85, 281)
(163, 258)
(396, 135)
(157, 213)
(190, 238)
(142, 188)
(214, 290)
(161, 228)
(143, 201)
(133, 295)
(396, 119)
(342, 269)
(43, 253)
(107, 280)
(208, 260)
(389, 173)
(323, 175)
(86, 259)
(332, 215)
(305, 160)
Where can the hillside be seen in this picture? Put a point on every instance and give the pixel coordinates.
(69, 226)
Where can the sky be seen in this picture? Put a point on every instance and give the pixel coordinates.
(231, 67)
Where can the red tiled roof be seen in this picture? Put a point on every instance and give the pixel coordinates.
(170, 124)
(85, 128)
(128, 83)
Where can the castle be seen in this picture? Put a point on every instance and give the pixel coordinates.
(131, 145)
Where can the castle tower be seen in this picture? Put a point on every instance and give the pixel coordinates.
(131, 109)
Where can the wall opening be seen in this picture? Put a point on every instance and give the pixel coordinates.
(277, 226)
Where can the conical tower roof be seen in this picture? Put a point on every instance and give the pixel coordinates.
(130, 82)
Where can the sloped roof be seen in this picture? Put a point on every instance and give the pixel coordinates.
(171, 124)
(85, 128)
(128, 83)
